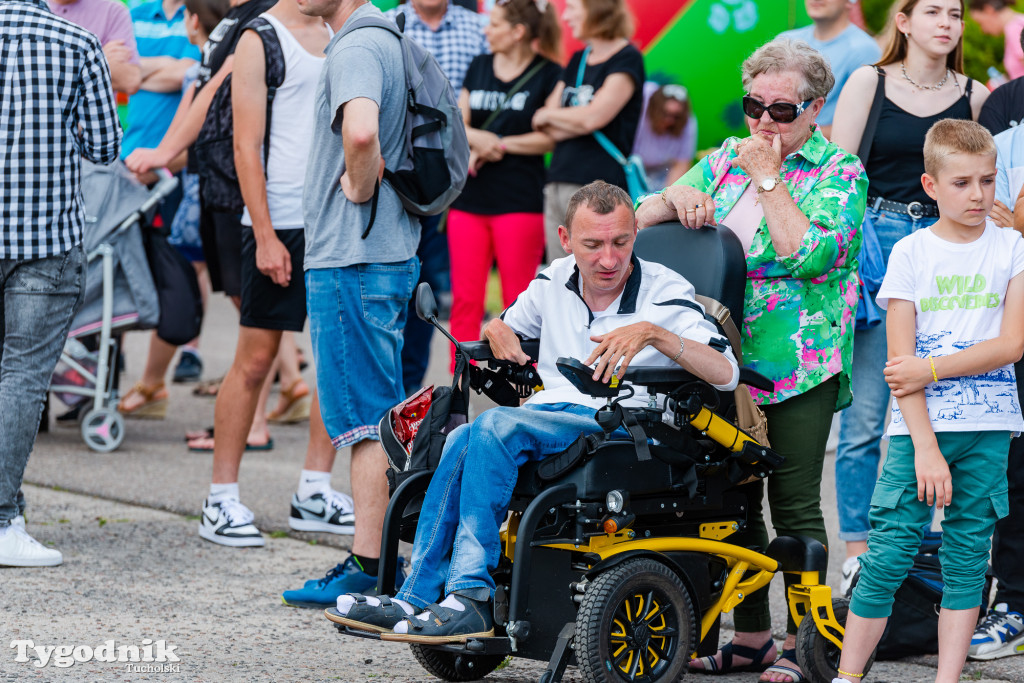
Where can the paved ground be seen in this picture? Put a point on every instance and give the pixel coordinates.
(135, 568)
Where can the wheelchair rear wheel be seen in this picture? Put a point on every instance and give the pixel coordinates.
(818, 656)
(455, 666)
(635, 623)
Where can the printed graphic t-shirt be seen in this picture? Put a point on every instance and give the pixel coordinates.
(581, 159)
(516, 183)
(958, 291)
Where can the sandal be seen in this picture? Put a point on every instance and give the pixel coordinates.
(795, 675)
(363, 616)
(208, 388)
(447, 625)
(296, 404)
(204, 444)
(199, 434)
(757, 664)
(153, 406)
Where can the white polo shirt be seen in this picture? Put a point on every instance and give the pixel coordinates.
(552, 309)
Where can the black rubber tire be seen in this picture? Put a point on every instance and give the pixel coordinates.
(452, 666)
(818, 656)
(639, 582)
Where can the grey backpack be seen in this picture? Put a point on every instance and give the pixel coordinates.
(436, 160)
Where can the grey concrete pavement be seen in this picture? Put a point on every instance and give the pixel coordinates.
(136, 569)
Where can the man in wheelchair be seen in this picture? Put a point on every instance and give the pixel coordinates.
(602, 304)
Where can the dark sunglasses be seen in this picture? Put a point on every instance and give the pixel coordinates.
(780, 112)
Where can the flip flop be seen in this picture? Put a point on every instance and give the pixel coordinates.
(199, 434)
(795, 675)
(757, 665)
(208, 388)
(207, 445)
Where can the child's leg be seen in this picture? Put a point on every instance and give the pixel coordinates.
(956, 626)
(977, 462)
(897, 519)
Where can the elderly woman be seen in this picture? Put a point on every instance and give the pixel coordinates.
(796, 202)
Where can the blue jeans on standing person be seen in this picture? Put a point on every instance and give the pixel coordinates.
(356, 315)
(38, 299)
(862, 424)
(457, 537)
(434, 267)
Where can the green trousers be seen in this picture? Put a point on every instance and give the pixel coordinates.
(798, 430)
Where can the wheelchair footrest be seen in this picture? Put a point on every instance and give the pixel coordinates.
(349, 631)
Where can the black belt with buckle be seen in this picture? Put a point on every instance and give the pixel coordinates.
(913, 209)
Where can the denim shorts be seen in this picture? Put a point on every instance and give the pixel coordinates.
(356, 317)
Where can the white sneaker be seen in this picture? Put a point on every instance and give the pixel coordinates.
(228, 522)
(850, 568)
(18, 549)
(1001, 634)
(332, 512)
(19, 521)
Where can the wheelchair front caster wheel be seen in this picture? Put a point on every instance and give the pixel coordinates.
(103, 429)
(818, 656)
(455, 666)
(635, 623)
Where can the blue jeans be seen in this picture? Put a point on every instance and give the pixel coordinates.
(457, 543)
(356, 315)
(434, 267)
(862, 424)
(38, 299)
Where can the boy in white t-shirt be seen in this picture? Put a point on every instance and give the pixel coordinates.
(955, 300)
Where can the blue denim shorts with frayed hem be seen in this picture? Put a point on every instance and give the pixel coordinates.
(356, 317)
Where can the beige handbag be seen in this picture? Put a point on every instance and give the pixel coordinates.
(749, 417)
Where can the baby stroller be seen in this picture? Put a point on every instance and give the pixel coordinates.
(616, 555)
(120, 295)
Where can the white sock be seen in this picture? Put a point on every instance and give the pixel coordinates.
(219, 492)
(312, 482)
(346, 601)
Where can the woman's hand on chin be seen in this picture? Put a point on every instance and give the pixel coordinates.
(758, 158)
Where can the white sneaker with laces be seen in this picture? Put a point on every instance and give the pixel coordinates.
(18, 549)
(1001, 634)
(850, 568)
(228, 522)
(332, 512)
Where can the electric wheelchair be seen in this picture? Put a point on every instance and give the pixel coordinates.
(615, 554)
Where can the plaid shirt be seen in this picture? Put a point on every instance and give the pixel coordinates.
(56, 106)
(458, 39)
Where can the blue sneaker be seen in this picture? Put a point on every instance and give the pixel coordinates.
(1001, 634)
(347, 577)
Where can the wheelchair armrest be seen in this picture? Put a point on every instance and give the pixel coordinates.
(753, 378)
(481, 350)
(656, 379)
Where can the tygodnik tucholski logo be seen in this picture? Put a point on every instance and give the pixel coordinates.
(149, 656)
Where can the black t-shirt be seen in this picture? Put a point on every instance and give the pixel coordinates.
(1004, 108)
(581, 159)
(516, 183)
(896, 161)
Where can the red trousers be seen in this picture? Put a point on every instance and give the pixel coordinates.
(475, 241)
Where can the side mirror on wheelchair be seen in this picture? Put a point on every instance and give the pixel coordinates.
(426, 305)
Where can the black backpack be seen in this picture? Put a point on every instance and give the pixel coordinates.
(215, 147)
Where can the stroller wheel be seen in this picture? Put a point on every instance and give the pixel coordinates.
(103, 429)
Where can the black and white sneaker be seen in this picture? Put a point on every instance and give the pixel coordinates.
(228, 522)
(332, 512)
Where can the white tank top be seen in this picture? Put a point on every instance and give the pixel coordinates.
(291, 131)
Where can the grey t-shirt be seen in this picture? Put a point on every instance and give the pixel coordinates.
(365, 63)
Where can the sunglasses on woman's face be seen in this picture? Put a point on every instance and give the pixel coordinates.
(780, 112)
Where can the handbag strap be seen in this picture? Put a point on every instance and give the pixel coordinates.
(717, 310)
(602, 139)
(872, 124)
(508, 96)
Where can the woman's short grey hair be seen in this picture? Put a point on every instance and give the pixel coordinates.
(784, 54)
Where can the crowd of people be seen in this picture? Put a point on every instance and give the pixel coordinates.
(874, 197)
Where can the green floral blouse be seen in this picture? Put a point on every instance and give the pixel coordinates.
(799, 309)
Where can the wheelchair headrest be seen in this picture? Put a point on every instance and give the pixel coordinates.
(712, 259)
